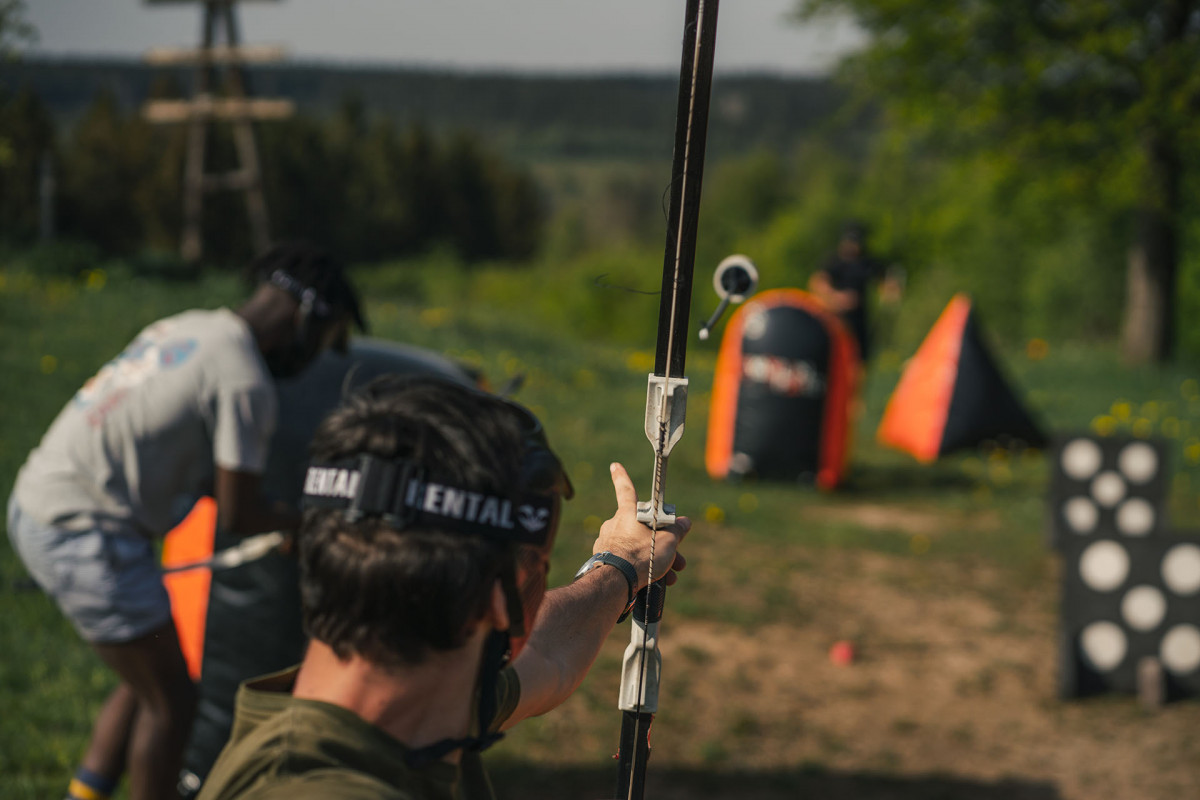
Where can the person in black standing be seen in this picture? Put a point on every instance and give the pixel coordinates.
(843, 280)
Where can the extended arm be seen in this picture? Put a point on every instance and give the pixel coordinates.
(837, 300)
(242, 509)
(575, 619)
(891, 288)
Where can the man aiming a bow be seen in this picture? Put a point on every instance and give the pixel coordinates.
(432, 513)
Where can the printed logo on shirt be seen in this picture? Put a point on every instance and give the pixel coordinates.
(175, 353)
(144, 357)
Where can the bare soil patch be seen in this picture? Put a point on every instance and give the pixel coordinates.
(952, 694)
(880, 517)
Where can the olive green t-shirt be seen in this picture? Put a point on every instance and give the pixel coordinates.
(285, 748)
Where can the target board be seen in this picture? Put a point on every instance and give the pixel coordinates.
(1126, 600)
(1131, 585)
(1112, 486)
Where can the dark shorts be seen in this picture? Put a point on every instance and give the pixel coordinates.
(109, 585)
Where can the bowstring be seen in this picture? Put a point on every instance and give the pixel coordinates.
(657, 483)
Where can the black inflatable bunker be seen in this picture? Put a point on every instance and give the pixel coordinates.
(786, 377)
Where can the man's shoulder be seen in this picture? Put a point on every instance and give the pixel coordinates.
(229, 354)
(344, 784)
(217, 325)
(294, 749)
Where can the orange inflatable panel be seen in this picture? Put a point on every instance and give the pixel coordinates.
(189, 542)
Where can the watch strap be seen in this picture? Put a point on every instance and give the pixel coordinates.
(623, 566)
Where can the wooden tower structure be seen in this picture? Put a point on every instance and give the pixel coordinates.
(220, 93)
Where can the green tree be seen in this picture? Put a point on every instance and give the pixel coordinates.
(14, 28)
(113, 180)
(26, 137)
(1099, 96)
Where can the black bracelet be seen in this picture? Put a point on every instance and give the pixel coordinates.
(625, 568)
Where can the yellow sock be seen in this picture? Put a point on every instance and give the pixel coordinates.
(87, 785)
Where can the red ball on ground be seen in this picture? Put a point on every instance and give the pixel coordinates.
(842, 653)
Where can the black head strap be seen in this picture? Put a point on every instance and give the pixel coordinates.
(310, 301)
(403, 495)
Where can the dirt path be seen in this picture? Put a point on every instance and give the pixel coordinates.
(956, 682)
(952, 695)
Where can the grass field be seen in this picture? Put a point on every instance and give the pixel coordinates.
(940, 574)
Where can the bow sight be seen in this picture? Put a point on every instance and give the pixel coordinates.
(736, 279)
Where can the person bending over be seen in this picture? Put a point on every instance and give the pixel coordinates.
(186, 410)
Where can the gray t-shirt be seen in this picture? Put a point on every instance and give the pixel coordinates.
(136, 445)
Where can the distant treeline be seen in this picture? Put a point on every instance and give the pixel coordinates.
(379, 162)
(365, 189)
(524, 115)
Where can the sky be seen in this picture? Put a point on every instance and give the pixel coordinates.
(511, 35)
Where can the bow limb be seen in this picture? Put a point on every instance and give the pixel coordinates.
(666, 396)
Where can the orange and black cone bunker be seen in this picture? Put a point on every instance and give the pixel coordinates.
(786, 376)
(952, 394)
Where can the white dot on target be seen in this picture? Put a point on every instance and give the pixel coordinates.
(1081, 459)
(1143, 607)
(1138, 462)
(1103, 645)
(1108, 488)
(1180, 649)
(1104, 566)
(1136, 517)
(1181, 569)
(1081, 514)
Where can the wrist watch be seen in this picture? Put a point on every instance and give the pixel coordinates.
(625, 568)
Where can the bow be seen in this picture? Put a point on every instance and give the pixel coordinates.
(666, 396)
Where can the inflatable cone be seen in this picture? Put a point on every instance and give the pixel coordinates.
(952, 395)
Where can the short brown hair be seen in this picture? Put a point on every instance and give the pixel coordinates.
(394, 595)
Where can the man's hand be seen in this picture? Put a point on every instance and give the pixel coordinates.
(242, 509)
(624, 536)
(838, 301)
(575, 619)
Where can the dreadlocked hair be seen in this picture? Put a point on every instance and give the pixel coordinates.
(314, 268)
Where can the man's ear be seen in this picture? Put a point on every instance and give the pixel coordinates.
(498, 613)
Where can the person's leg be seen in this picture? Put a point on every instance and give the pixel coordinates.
(109, 586)
(108, 750)
(155, 673)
